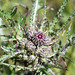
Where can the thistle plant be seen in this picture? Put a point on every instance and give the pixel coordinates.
(36, 49)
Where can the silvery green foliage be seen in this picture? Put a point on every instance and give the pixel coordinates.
(35, 50)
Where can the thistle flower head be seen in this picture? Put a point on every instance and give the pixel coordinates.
(38, 38)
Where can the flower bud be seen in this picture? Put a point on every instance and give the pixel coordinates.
(23, 42)
(30, 33)
(30, 46)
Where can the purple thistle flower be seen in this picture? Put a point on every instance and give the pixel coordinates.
(38, 38)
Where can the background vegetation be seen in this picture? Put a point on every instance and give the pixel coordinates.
(52, 8)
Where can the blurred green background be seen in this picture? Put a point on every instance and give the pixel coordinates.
(52, 8)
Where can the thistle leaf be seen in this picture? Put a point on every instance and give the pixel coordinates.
(47, 73)
(68, 58)
(34, 14)
(3, 26)
(23, 6)
(13, 11)
(3, 57)
(14, 66)
(68, 34)
(58, 15)
(6, 49)
(72, 39)
(19, 20)
(23, 21)
(64, 25)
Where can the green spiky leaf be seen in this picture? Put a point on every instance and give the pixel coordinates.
(3, 26)
(58, 15)
(19, 20)
(47, 73)
(13, 11)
